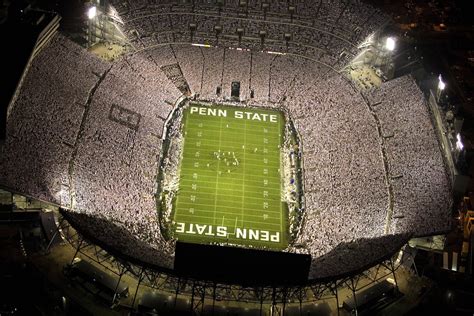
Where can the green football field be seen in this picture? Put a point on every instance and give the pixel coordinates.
(230, 181)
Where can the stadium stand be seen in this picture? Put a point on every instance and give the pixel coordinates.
(87, 135)
(413, 157)
(47, 117)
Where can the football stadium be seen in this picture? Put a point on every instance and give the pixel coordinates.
(231, 143)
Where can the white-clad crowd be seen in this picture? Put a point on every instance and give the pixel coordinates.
(421, 194)
(45, 119)
(330, 31)
(88, 135)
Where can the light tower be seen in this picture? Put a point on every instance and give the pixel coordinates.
(386, 48)
(390, 44)
(92, 27)
(441, 87)
(92, 12)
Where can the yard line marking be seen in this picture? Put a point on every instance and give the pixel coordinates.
(259, 183)
(258, 160)
(276, 161)
(236, 195)
(244, 163)
(273, 148)
(281, 181)
(250, 164)
(256, 209)
(254, 204)
(270, 140)
(194, 169)
(184, 209)
(271, 126)
(225, 189)
(217, 173)
(257, 223)
(201, 211)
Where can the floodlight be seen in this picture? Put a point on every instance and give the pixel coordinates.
(92, 12)
(390, 43)
(276, 53)
(391, 281)
(201, 45)
(459, 144)
(441, 83)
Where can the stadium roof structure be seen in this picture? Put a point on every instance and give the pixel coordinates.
(88, 135)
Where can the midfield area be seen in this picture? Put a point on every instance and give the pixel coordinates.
(230, 177)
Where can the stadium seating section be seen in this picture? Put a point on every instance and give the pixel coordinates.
(87, 134)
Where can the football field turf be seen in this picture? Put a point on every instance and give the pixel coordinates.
(230, 180)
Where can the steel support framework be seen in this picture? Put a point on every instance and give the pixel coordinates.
(205, 294)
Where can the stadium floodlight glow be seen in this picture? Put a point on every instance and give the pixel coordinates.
(201, 45)
(391, 281)
(390, 43)
(459, 144)
(92, 12)
(276, 53)
(441, 83)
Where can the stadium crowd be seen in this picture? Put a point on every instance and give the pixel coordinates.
(87, 135)
(44, 121)
(329, 31)
(413, 157)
